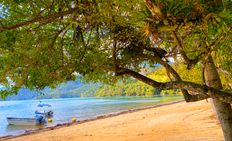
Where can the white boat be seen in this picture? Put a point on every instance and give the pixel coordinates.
(44, 109)
(26, 121)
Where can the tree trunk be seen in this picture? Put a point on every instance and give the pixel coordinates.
(223, 110)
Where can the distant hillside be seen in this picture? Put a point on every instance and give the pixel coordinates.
(65, 90)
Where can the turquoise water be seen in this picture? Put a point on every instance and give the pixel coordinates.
(66, 109)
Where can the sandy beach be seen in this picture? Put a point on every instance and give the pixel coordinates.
(176, 122)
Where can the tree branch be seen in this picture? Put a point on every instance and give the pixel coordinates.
(155, 10)
(202, 90)
(180, 46)
(188, 97)
(189, 62)
(43, 19)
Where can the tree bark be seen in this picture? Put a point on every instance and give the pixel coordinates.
(223, 110)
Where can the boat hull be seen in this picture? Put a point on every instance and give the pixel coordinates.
(23, 121)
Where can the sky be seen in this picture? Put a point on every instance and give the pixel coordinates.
(0, 11)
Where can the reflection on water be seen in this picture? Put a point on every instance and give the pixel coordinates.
(23, 127)
(66, 109)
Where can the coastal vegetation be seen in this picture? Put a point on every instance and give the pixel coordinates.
(45, 43)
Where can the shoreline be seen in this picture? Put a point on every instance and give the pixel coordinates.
(172, 121)
(67, 124)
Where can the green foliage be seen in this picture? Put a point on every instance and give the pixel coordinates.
(193, 75)
(45, 43)
(159, 75)
(130, 88)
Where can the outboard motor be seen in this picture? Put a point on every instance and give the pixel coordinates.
(40, 119)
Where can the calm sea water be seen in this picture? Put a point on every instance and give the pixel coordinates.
(66, 109)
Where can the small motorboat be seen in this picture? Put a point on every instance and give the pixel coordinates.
(44, 109)
(37, 120)
(42, 112)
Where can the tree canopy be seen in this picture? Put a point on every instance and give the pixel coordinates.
(44, 43)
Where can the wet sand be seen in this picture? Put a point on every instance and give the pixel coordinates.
(173, 122)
